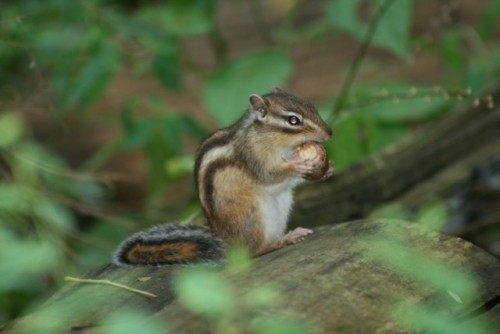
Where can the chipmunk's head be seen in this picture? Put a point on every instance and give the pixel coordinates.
(295, 120)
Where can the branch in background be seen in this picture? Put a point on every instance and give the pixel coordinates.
(261, 23)
(219, 45)
(361, 54)
(108, 282)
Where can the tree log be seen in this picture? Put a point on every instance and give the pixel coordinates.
(331, 279)
(352, 193)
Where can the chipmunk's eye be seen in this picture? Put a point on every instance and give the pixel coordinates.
(293, 120)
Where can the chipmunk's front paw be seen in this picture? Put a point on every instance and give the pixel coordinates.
(296, 236)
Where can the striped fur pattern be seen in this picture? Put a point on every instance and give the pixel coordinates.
(243, 173)
(170, 244)
(244, 177)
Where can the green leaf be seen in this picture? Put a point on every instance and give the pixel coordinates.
(489, 19)
(204, 291)
(274, 325)
(433, 214)
(15, 198)
(103, 232)
(172, 133)
(178, 21)
(132, 322)
(430, 319)
(239, 259)
(451, 50)
(227, 91)
(398, 103)
(355, 137)
(476, 76)
(176, 167)
(12, 128)
(138, 133)
(392, 31)
(21, 262)
(167, 67)
(391, 211)
(408, 110)
(89, 191)
(194, 128)
(390, 133)
(422, 268)
(55, 215)
(94, 76)
(344, 15)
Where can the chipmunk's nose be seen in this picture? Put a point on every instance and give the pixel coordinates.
(328, 133)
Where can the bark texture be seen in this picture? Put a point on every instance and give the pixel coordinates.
(333, 279)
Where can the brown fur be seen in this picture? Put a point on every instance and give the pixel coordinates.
(237, 215)
(158, 253)
(250, 154)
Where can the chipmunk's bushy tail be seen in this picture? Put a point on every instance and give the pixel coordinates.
(170, 244)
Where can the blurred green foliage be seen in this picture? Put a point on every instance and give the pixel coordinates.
(454, 286)
(74, 49)
(231, 309)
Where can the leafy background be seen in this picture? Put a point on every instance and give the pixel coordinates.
(103, 103)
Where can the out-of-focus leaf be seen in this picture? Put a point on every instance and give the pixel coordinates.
(274, 325)
(55, 215)
(22, 261)
(179, 166)
(451, 50)
(399, 103)
(194, 128)
(433, 214)
(393, 30)
(172, 133)
(263, 295)
(138, 133)
(15, 198)
(422, 268)
(11, 128)
(177, 21)
(344, 15)
(355, 137)
(238, 259)
(197, 286)
(408, 110)
(89, 191)
(34, 164)
(391, 133)
(476, 76)
(391, 211)
(167, 67)
(227, 91)
(105, 235)
(132, 322)
(489, 19)
(94, 76)
(431, 320)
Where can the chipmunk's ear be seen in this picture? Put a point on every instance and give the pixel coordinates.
(276, 89)
(258, 104)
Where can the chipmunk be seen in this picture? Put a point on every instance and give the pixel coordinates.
(244, 176)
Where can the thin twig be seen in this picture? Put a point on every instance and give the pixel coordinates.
(360, 55)
(108, 282)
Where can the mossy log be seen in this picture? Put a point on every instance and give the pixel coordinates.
(353, 192)
(332, 280)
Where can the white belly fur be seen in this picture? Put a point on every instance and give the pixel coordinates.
(276, 204)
